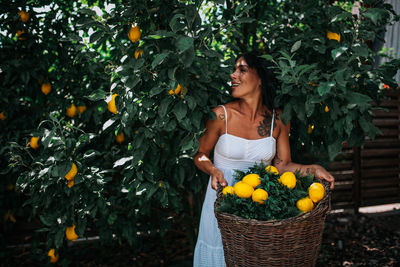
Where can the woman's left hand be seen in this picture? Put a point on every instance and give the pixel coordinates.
(321, 173)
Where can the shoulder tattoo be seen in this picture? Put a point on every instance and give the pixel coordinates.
(221, 117)
(265, 125)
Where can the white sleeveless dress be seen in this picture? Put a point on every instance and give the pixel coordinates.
(230, 153)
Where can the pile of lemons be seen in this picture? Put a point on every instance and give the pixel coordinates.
(249, 187)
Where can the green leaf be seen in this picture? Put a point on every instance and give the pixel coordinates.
(188, 57)
(360, 50)
(132, 81)
(59, 238)
(180, 110)
(160, 34)
(268, 57)
(175, 24)
(325, 87)
(156, 90)
(295, 46)
(183, 43)
(338, 52)
(245, 20)
(97, 95)
(96, 36)
(357, 98)
(376, 14)
(163, 108)
(334, 149)
(159, 59)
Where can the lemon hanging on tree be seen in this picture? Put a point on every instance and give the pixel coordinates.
(120, 138)
(71, 173)
(34, 142)
(23, 16)
(134, 34)
(112, 107)
(52, 255)
(46, 88)
(70, 233)
(71, 111)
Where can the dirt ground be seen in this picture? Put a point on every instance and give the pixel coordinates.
(348, 240)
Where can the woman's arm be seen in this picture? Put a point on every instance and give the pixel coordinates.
(283, 160)
(207, 141)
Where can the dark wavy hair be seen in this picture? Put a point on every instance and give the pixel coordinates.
(269, 82)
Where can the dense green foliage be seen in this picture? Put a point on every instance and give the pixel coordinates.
(148, 183)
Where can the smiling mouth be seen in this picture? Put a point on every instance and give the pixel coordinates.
(234, 85)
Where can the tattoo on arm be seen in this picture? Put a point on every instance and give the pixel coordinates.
(277, 160)
(263, 128)
(221, 117)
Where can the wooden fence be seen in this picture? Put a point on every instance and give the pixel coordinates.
(370, 175)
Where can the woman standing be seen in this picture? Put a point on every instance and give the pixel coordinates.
(245, 131)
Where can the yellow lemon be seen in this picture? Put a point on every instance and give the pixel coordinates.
(259, 195)
(271, 169)
(34, 142)
(81, 109)
(46, 88)
(316, 192)
(72, 172)
(111, 105)
(120, 138)
(19, 35)
(24, 16)
(70, 183)
(288, 179)
(228, 190)
(333, 36)
(310, 128)
(305, 204)
(70, 233)
(2, 116)
(326, 109)
(252, 179)
(134, 34)
(71, 111)
(52, 255)
(138, 52)
(177, 90)
(243, 190)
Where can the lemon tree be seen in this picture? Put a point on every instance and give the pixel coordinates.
(121, 90)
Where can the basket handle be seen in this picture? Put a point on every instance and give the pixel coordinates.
(219, 190)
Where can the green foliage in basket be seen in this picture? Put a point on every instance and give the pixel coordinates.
(281, 202)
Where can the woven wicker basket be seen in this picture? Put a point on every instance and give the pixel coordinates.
(290, 242)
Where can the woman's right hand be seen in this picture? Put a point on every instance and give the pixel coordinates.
(217, 177)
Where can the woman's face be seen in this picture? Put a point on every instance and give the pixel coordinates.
(245, 80)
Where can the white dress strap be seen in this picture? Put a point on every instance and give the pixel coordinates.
(272, 123)
(226, 119)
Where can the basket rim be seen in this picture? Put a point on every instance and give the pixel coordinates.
(323, 206)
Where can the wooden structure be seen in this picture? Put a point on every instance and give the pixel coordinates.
(370, 175)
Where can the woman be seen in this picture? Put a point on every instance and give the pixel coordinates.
(245, 131)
